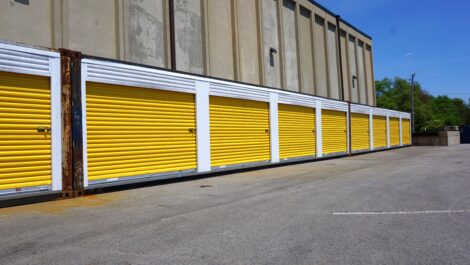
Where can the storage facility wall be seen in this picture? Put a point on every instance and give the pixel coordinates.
(225, 39)
(138, 131)
(25, 152)
(380, 132)
(334, 132)
(360, 134)
(297, 135)
(406, 134)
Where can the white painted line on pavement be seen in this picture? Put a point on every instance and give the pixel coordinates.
(404, 212)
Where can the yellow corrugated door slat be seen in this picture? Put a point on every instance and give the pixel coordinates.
(360, 132)
(334, 132)
(296, 131)
(25, 153)
(394, 131)
(239, 131)
(137, 131)
(406, 131)
(380, 132)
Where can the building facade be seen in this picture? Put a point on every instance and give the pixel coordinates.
(292, 45)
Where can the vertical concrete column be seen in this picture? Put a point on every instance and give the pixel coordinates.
(318, 127)
(203, 127)
(388, 130)
(371, 129)
(274, 126)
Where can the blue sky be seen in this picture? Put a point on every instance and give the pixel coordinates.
(430, 38)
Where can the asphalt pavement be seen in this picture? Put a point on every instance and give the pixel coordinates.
(405, 206)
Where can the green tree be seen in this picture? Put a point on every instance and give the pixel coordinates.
(431, 113)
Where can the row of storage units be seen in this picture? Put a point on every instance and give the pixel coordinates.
(142, 124)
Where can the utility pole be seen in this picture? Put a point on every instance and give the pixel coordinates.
(412, 102)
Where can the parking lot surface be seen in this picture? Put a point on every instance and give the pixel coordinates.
(405, 206)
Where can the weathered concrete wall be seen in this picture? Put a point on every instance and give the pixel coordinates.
(361, 74)
(289, 38)
(272, 62)
(248, 41)
(30, 24)
(445, 138)
(370, 76)
(353, 69)
(220, 45)
(189, 36)
(146, 32)
(229, 39)
(306, 49)
(333, 74)
(320, 57)
(344, 62)
(89, 31)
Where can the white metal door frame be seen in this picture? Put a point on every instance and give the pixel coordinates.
(29, 61)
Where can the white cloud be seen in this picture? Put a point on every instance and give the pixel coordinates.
(408, 54)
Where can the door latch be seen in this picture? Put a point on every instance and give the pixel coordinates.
(192, 130)
(43, 129)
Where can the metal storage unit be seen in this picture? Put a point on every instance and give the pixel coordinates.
(360, 133)
(239, 131)
(394, 131)
(30, 121)
(296, 131)
(380, 132)
(406, 134)
(138, 131)
(334, 132)
(25, 139)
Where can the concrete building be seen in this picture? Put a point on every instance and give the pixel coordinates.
(293, 45)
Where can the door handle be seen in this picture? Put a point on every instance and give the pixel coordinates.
(43, 129)
(192, 130)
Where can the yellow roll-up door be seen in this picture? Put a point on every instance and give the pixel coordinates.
(25, 153)
(380, 132)
(406, 131)
(334, 132)
(239, 131)
(360, 132)
(296, 131)
(137, 131)
(394, 131)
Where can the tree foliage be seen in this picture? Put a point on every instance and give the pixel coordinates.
(431, 113)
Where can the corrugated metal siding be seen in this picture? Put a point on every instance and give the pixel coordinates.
(394, 131)
(296, 131)
(380, 132)
(334, 132)
(360, 132)
(25, 154)
(137, 131)
(406, 131)
(239, 131)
